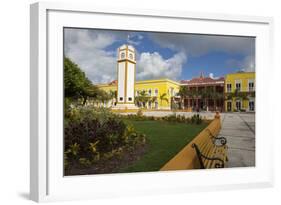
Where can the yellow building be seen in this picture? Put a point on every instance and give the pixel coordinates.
(240, 92)
(151, 94)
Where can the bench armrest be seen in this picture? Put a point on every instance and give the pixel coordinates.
(218, 164)
(222, 140)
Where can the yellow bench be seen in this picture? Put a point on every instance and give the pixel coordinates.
(206, 150)
(211, 152)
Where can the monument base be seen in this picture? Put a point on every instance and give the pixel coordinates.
(125, 106)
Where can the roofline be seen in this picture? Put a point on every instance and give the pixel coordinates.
(145, 81)
(178, 83)
(208, 83)
(158, 80)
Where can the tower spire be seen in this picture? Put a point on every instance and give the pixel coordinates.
(201, 74)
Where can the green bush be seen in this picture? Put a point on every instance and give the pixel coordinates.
(196, 119)
(85, 162)
(172, 118)
(140, 113)
(90, 135)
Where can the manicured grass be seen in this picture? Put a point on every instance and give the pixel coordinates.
(165, 140)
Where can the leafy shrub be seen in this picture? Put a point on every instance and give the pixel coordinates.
(85, 162)
(90, 135)
(140, 113)
(172, 118)
(196, 118)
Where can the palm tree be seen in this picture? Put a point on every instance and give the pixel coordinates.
(113, 96)
(193, 94)
(163, 97)
(153, 99)
(142, 97)
(184, 92)
(205, 95)
(217, 97)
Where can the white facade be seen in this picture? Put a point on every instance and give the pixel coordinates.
(130, 82)
(121, 78)
(126, 68)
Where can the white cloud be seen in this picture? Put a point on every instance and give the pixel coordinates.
(134, 39)
(198, 45)
(211, 75)
(86, 48)
(195, 44)
(153, 65)
(246, 64)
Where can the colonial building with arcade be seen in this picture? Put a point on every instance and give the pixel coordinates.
(233, 92)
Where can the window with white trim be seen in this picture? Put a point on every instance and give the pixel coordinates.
(251, 86)
(156, 92)
(228, 87)
(171, 91)
(251, 105)
(238, 105)
(238, 86)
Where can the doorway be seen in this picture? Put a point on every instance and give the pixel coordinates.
(229, 106)
(238, 105)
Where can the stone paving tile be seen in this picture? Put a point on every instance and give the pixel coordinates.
(244, 133)
(239, 130)
(241, 158)
(241, 143)
(231, 128)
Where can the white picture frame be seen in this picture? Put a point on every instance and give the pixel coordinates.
(47, 182)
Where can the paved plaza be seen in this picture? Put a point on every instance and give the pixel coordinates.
(239, 129)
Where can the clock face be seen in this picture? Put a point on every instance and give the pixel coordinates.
(122, 55)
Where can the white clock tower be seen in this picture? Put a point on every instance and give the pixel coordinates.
(126, 69)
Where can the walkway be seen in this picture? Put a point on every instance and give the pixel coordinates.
(239, 129)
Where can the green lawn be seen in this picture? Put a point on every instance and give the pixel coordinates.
(165, 140)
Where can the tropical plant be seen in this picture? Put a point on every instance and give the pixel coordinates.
(96, 134)
(73, 149)
(241, 95)
(142, 98)
(85, 162)
(163, 97)
(153, 99)
(196, 118)
(184, 92)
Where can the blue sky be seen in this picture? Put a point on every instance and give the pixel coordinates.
(159, 55)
